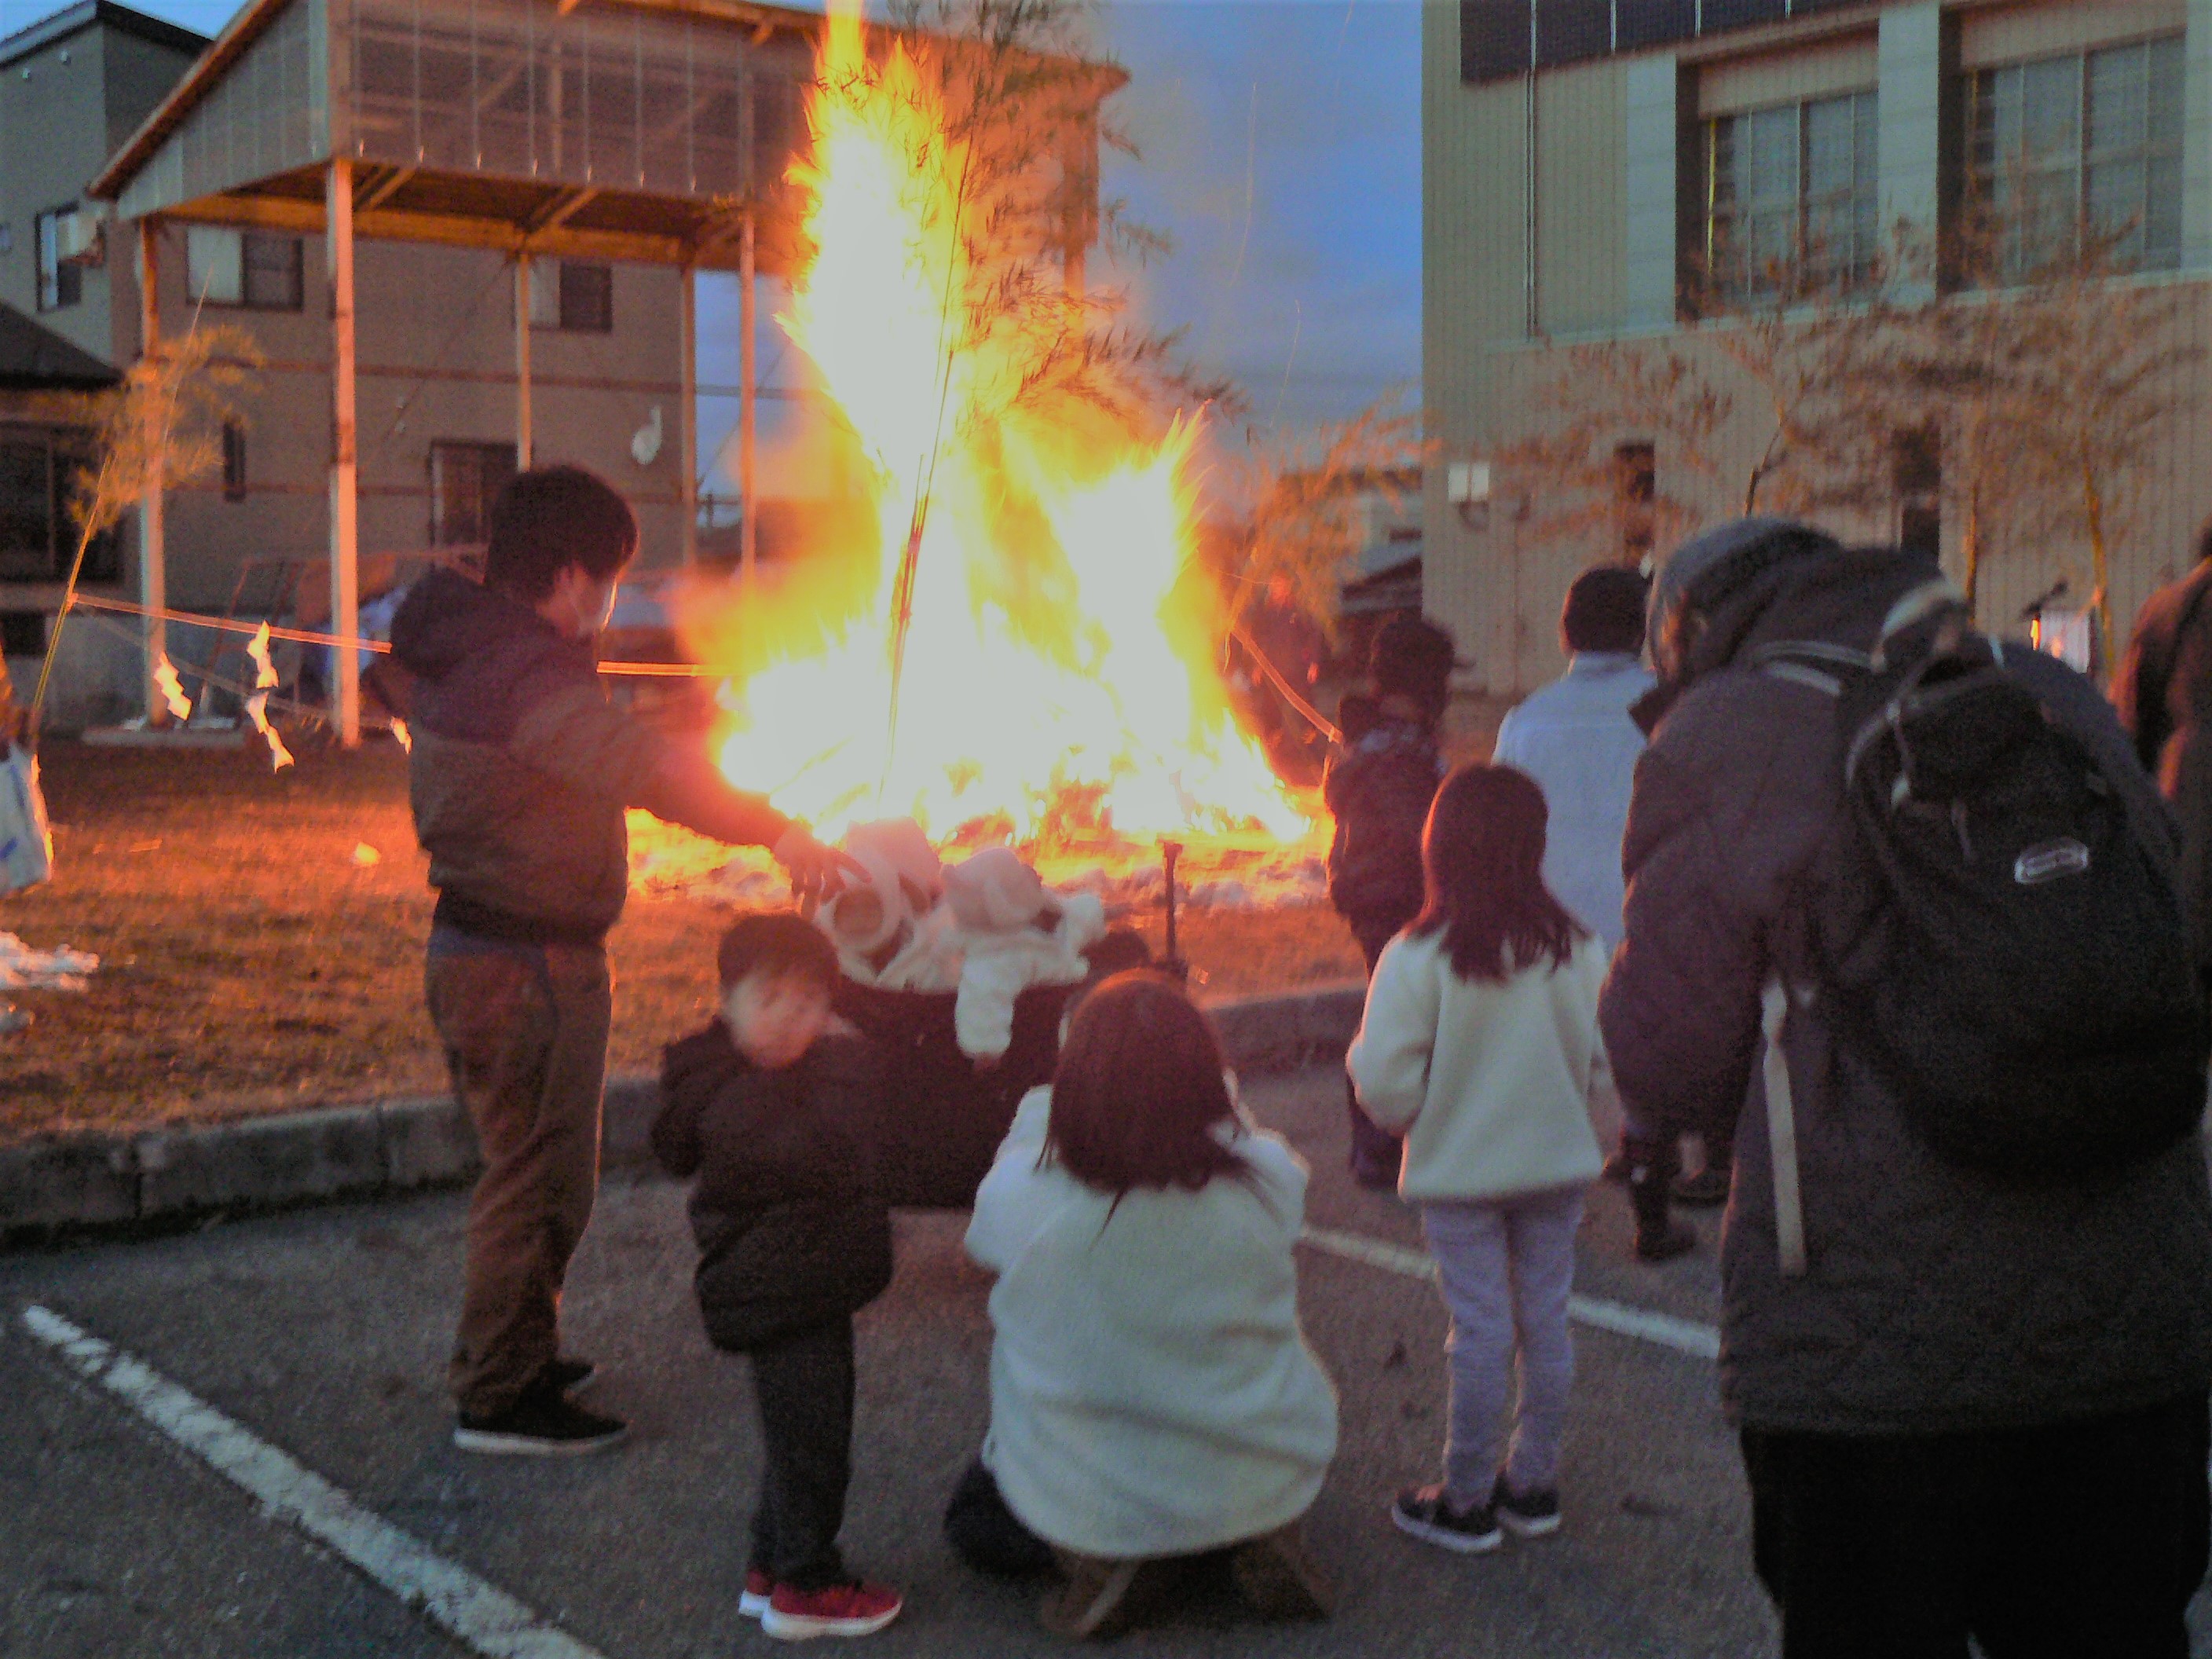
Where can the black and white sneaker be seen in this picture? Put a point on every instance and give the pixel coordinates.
(541, 1424)
(569, 1375)
(1424, 1512)
(1525, 1514)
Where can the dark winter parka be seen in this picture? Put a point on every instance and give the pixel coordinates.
(2164, 695)
(1936, 1298)
(521, 769)
(792, 1225)
(1379, 791)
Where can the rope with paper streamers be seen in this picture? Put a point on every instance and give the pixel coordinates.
(267, 631)
(256, 706)
(255, 699)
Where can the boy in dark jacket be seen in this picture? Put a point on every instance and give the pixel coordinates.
(779, 1122)
(1379, 786)
(520, 775)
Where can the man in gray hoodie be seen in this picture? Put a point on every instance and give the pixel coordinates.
(1981, 1408)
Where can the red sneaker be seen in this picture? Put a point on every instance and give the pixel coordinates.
(855, 1609)
(759, 1587)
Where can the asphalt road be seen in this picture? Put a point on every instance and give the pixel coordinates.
(324, 1334)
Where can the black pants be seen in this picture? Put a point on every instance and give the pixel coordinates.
(2085, 1540)
(988, 1536)
(804, 1385)
(1376, 1152)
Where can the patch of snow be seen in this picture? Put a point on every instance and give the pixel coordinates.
(22, 969)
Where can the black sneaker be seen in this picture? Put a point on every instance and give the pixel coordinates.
(569, 1375)
(1708, 1190)
(1525, 1514)
(539, 1424)
(1425, 1513)
(1664, 1242)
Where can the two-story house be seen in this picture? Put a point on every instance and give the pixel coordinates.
(434, 347)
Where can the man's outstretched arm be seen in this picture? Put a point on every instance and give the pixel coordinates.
(574, 734)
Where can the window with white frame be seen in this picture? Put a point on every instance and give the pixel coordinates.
(235, 487)
(1791, 195)
(61, 276)
(2083, 141)
(572, 296)
(465, 480)
(40, 467)
(243, 268)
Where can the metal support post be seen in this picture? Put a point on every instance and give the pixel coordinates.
(153, 551)
(687, 415)
(525, 439)
(345, 493)
(748, 372)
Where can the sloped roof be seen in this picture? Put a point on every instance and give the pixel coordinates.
(35, 359)
(253, 18)
(245, 136)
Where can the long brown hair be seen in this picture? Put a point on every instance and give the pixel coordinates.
(1138, 1091)
(1483, 853)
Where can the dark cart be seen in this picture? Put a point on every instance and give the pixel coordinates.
(945, 1118)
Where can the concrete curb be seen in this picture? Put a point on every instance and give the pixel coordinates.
(60, 1186)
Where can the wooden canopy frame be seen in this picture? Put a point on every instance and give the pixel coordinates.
(302, 117)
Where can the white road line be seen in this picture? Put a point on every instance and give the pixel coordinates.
(484, 1617)
(1683, 1335)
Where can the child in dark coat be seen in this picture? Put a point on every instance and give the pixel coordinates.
(1379, 785)
(778, 1121)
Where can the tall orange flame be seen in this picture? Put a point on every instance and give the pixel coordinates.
(1057, 667)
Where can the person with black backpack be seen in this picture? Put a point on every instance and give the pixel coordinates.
(1902, 897)
(1378, 786)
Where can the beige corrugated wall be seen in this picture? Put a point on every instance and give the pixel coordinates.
(1502, 598)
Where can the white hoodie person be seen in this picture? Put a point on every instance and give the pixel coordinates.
(1151, 1391)
(1014, 933)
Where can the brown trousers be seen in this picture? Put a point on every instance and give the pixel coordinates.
(525, 1032)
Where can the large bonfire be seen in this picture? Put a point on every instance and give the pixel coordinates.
(1056, 683)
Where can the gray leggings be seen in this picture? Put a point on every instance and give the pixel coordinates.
(1505, 1267)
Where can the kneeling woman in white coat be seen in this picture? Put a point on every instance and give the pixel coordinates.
(1152, 1395)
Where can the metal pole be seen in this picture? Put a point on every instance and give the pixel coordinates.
(686, 418)
(525, 440)
(153, 551)
(1173, 962)
(747, 370)
(345, 571)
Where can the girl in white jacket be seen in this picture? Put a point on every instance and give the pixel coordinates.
(1152, 1395)
(1480, 1044)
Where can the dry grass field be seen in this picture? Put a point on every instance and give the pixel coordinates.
(255, 958)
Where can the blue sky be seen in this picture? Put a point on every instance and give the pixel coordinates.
(1281, 145)
(1282, 153)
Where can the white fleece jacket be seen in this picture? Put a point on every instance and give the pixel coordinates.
(1151, 1391)
(1491, 1083)
(999, 963)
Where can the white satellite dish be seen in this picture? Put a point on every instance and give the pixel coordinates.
(645, 442)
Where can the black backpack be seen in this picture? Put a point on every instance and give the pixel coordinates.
(2002, 945)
